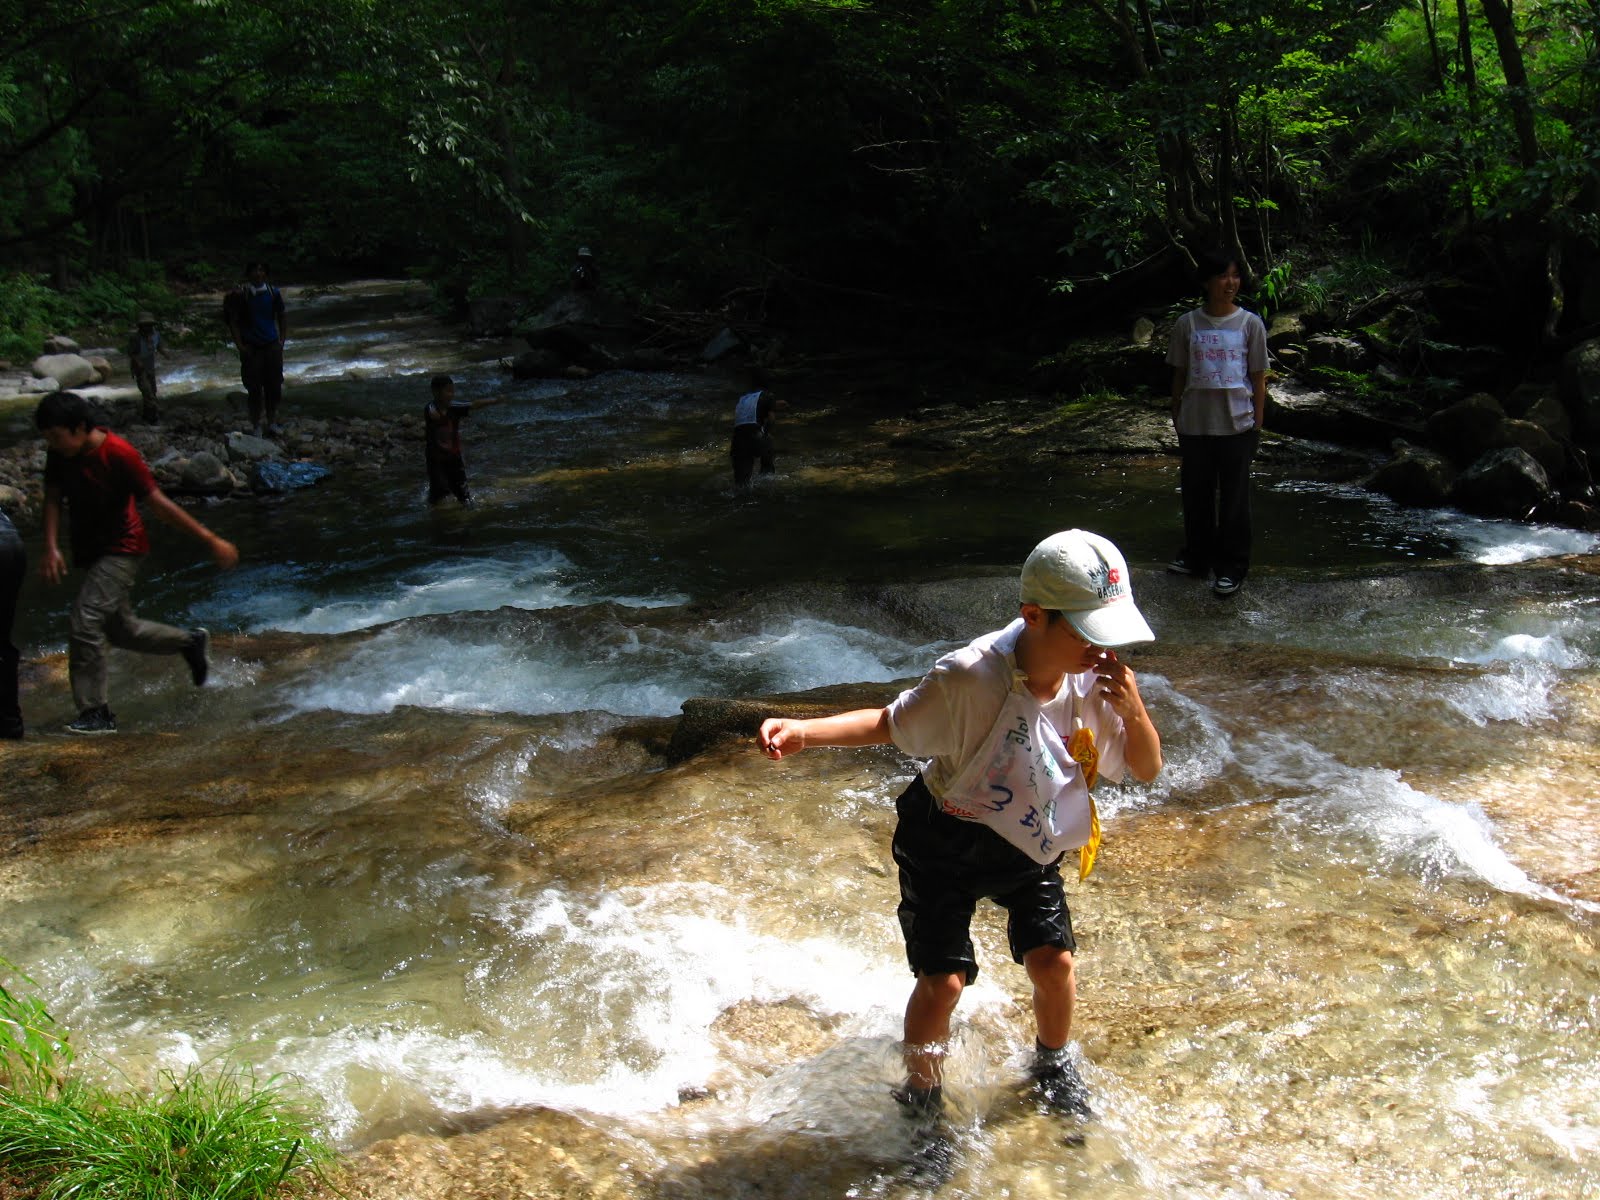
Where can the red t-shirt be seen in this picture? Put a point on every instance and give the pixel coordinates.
(102, 489)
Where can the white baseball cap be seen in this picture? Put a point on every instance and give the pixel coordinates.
(1085, 578)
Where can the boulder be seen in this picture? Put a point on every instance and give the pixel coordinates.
(1536, 440)
(33, 386)
(1507, 483)
(60, 343)
(102, 368)
(13, 500)
(1548, 413)
(1415, 477)
(1143, 330)
(537, 364)
(1340, 353)
(1304, 412)
(492, 316)
(1580, 388)
(204, 474)
(245, 447)
(1285, 329)
(1469, 428)
(68, 370)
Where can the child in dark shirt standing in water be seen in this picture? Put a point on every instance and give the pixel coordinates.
(441, 418)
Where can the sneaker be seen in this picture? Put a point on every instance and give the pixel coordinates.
(1227, 585)
(1182, 566)
(94, 720)
(1057, 1086)
(198, 655)
(931, 1157)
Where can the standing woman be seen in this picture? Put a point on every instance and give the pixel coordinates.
(1218, 357)
(12, 563)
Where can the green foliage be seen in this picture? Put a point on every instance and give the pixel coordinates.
(218, 1136)
(34, 1050)
(31, 309)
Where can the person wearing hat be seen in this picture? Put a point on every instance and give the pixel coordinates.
(583, 277)
(1017, 727)
(143, 346)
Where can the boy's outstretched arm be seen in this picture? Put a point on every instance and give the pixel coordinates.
(223, 552)
(862, 727)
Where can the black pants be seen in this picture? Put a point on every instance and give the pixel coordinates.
(13, 562)
(750, 442)
(261, 369)
(1215, 477)
(447, 476)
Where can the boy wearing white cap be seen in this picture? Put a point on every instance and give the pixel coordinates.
(1017, 726)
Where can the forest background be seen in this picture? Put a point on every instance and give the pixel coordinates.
(1427, 171)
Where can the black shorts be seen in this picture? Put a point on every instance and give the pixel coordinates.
(946, 866)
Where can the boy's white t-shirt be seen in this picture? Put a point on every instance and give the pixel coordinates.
(1218, 355)
(948, 716)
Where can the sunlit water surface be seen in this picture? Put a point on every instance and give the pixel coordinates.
(416, 846)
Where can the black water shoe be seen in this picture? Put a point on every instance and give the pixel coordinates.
(198, 655)
(94, 720)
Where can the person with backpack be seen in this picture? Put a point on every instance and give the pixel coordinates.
(255, 318)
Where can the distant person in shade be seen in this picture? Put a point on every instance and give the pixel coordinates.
(99, 481)
(143, 347)
(13, 562)
(441, 420)
(752, 435)
(584, 276)
(1015, 728)
(259, 327)
(1218, 356)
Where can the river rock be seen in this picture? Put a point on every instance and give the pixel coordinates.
(1580, 387)
(60, 343)
(205, 475)
(33, 385)
(1469, 428)
(1536, 440)
(537, 364)
(1284, 330)
(102, 368)
(1415, 476)
(1143, 330)
(492, 316)
(12, 500)
(1305, 412)
(68, 370)
(1340, 353)
(1506, 483)
(1548, 413)
(245, 447)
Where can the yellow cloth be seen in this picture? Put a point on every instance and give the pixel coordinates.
(1087, 756)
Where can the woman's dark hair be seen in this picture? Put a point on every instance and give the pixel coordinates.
(65, 410)
(1213, 262)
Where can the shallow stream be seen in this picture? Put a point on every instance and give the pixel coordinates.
(417, 844)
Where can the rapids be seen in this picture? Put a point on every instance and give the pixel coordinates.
(421, 843)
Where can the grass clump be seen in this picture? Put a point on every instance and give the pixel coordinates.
(223, 1135)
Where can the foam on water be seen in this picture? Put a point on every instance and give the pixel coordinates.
(532, 581)
(1399, 826)
(627, 670)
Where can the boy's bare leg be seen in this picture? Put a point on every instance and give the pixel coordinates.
(1055, 993)
(927, 1027)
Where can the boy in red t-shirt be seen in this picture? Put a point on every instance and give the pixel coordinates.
(101, 479)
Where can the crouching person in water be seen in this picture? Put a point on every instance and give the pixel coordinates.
(1017, 726)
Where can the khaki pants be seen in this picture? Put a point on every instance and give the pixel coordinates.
(102, 616)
